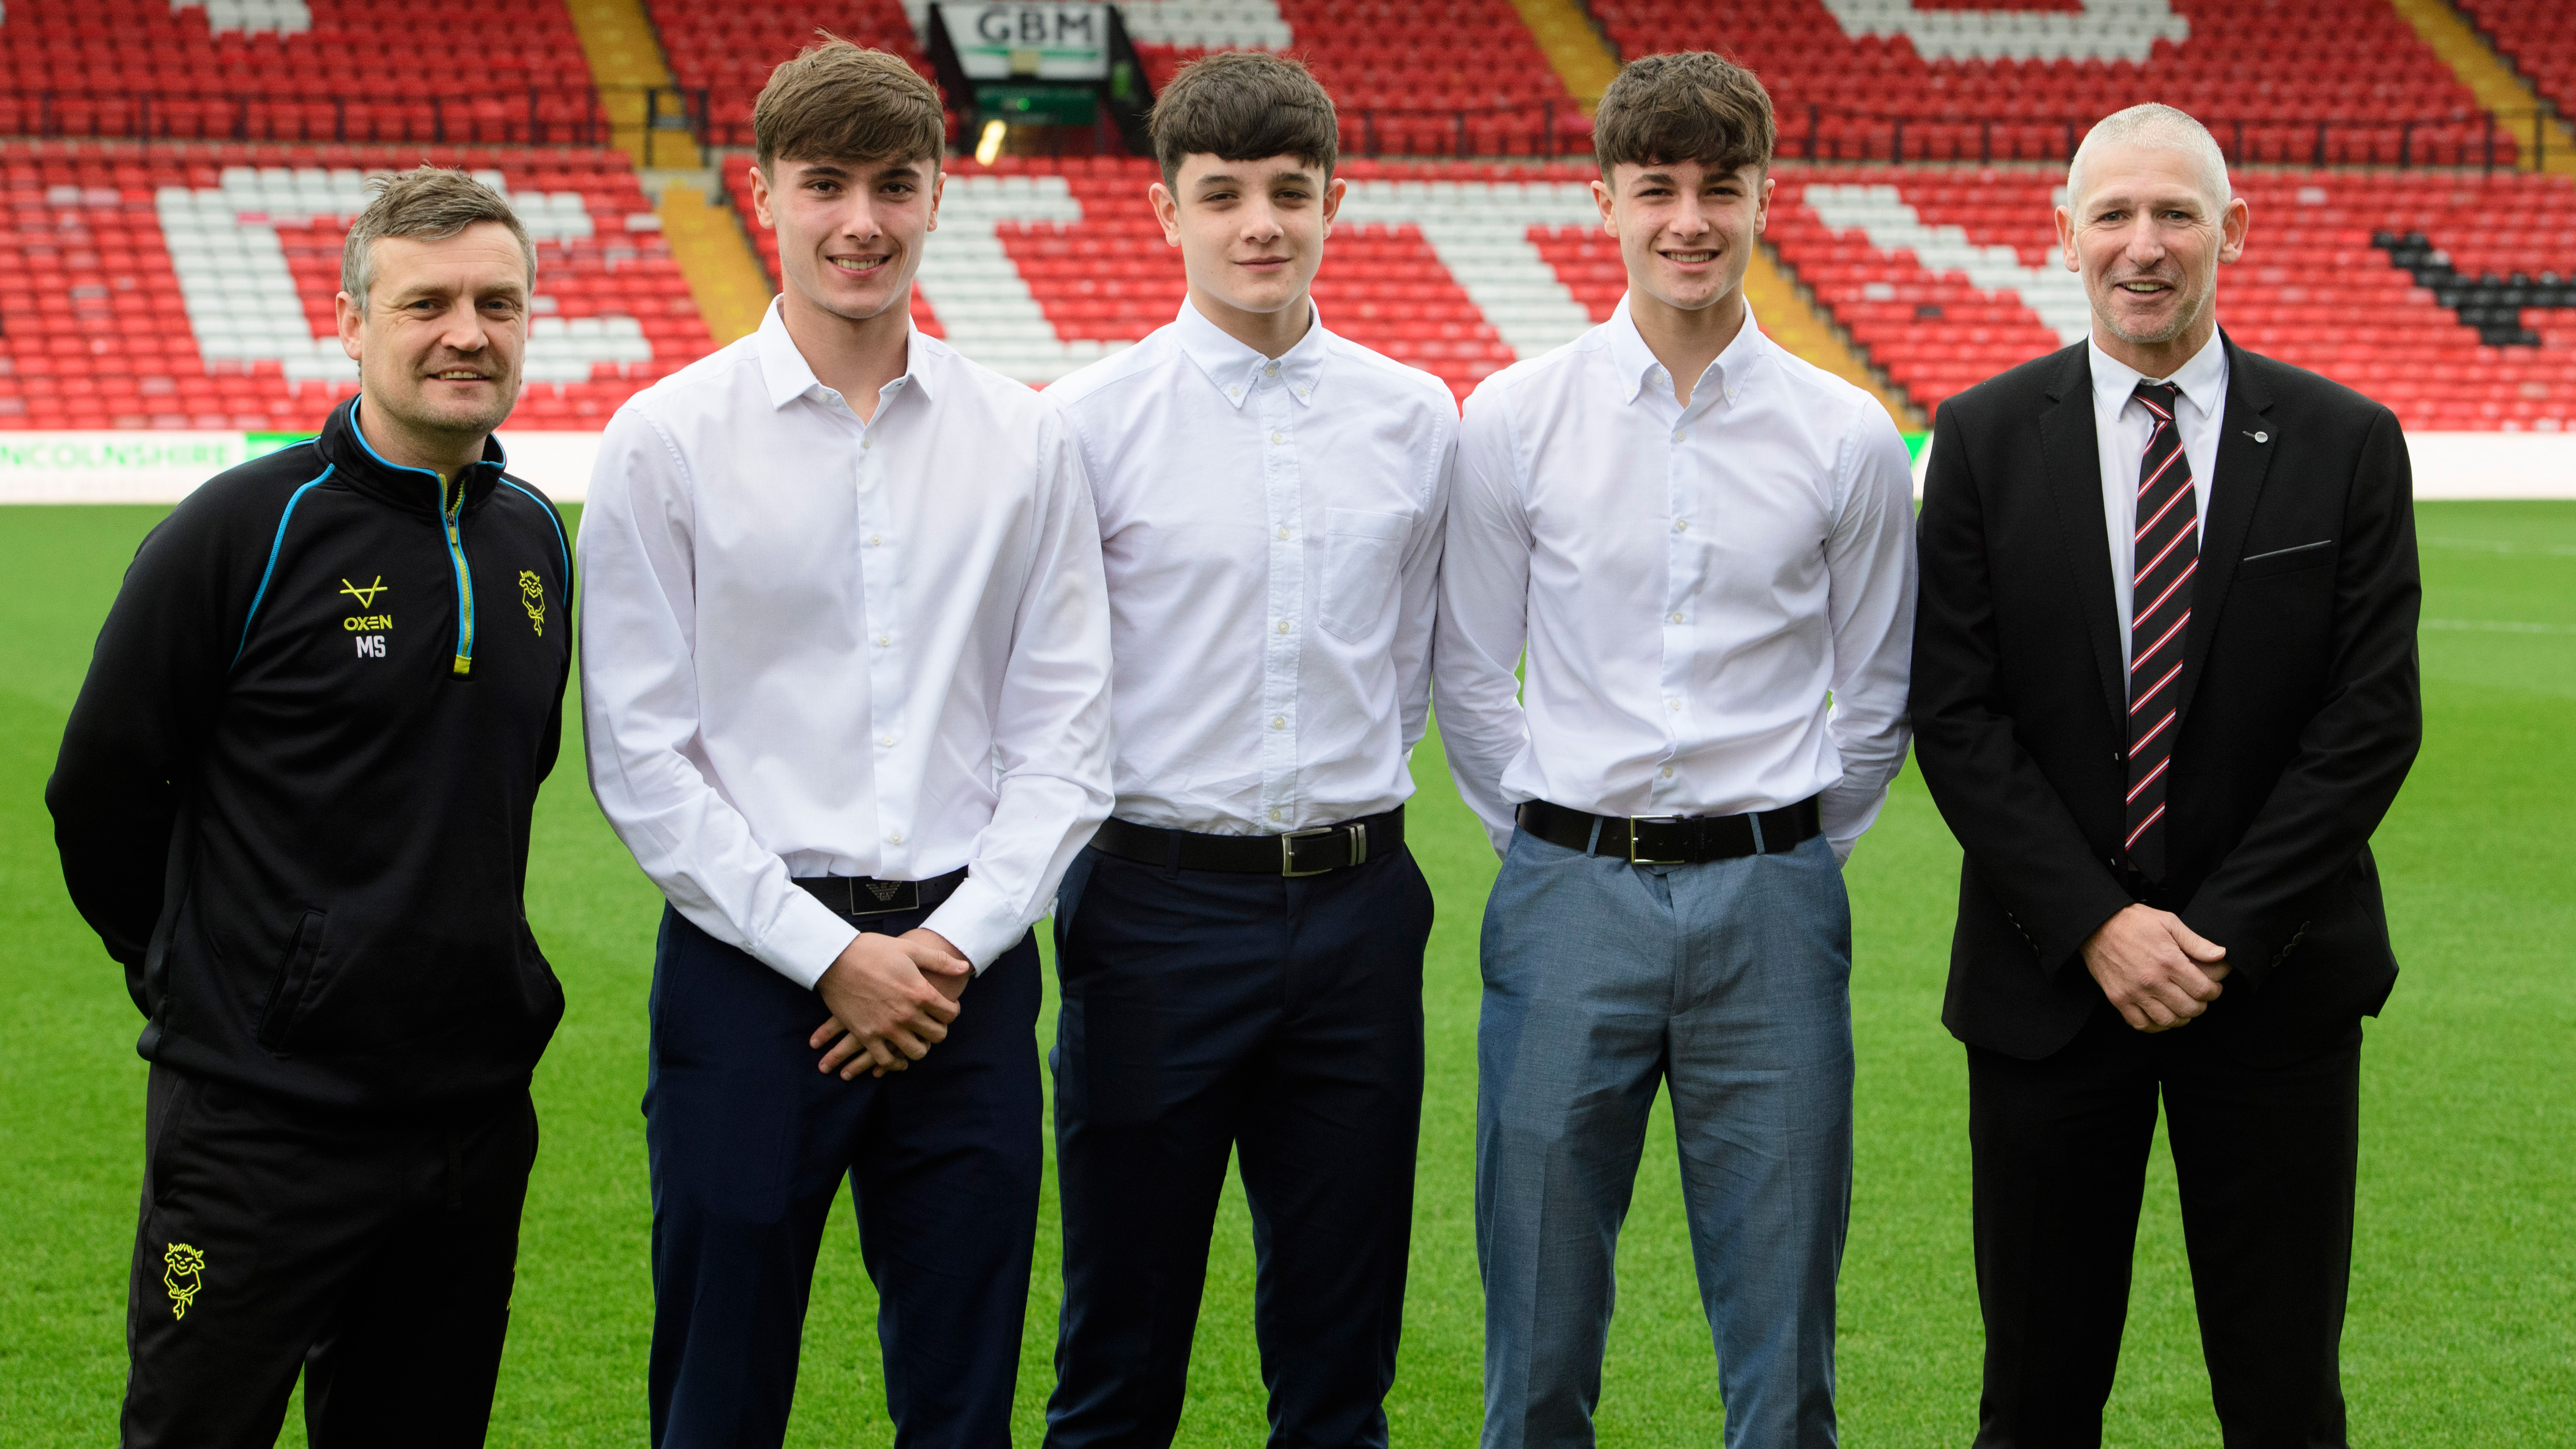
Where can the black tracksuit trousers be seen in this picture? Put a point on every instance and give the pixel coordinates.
(375, 1257)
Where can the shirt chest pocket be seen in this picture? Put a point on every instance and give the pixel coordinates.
(1362, 552)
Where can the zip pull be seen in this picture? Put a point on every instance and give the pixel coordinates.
(448, 515)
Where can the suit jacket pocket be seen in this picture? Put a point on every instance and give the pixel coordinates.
(294, 985)
(1362, 551)
(2267, 562)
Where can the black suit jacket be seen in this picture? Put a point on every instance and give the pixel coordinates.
(2299, 704)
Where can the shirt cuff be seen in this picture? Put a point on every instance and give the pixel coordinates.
(805, 940)
(978, 922)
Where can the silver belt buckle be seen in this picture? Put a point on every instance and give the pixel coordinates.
(1288, 852)
(1633, 822)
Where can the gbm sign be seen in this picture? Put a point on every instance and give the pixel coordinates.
(1025, 39)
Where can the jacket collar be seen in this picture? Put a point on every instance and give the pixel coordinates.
(343, 445)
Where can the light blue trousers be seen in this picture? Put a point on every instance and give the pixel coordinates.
(1730, 980)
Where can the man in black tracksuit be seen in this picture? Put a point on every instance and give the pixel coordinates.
(293, 799)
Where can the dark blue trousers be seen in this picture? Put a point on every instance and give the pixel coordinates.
(1205, 1014)
(749, 1144)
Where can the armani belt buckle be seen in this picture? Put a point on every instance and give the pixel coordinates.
(884, 897)
(1635, 821)
(1288, 849)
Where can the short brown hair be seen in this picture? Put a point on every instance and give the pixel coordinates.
(1692, 105)
(1244, 105)
(432, 203)
(842, 102)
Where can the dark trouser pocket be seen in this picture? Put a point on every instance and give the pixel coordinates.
(294, 983)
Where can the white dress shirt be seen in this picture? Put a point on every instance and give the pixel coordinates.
(2122, 425)
(1272, 532)
(816, 646)
(1690, 584)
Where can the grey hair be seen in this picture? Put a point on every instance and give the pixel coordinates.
(432, 203)
(2158, 126)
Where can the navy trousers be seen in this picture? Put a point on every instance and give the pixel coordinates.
(1205, 1014)
(749, 1144)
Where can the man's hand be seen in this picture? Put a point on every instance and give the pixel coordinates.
(892, 998)
(2157, 970)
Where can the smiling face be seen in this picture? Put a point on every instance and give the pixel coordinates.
(440, 335)
(2149, 237)
(1685, 231)
(849, 232)
(1251, 233)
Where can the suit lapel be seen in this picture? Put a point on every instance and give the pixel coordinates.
(2235, 486)
(2071, 450)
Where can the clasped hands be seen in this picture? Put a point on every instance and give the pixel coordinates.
(2156, 970)
(892, 999)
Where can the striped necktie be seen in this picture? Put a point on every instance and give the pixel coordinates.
(2166, 552)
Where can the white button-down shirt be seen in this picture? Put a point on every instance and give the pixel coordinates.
(816, 646)
(1272, 531)
(2122, 425)
(1717, 600)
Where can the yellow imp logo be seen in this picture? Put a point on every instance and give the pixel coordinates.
(532, 592)
(182, 1273)
(366, 594)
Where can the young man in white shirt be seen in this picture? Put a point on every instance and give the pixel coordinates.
(1240, 949)
(1706, 546)
(845, 661)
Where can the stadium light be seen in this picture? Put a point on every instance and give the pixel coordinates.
(989, 145)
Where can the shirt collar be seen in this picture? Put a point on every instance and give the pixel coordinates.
(2203, 379)
(1237, 369)
(790, 377)
(1637, 362)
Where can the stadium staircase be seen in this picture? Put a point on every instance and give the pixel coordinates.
(627, 64)
(2510, 54)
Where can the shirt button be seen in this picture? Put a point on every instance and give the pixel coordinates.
(1668, 772)
(886, 740)
(1301, 392)
(1271, 370)
(1274, 814)
(1672, 704)
(1283, 626)
(1279, 721)
(874, 540)
(1283, 530)
(1679, 434)
(1680, 525)
(895, 839)
(1278, 437)
(867, 442)
(1677, 618)
(884, 639)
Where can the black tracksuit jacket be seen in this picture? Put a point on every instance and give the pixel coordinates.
(294, 795)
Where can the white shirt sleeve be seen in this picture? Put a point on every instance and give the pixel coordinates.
(640, 709)
(1051, 723)
(1484, 616)
(1418, 601)
(1869, 559)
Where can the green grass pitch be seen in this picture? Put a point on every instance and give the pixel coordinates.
(2463, 1314)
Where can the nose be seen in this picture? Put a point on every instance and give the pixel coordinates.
(859, 222)
(2145, 244)
(1260, 222)
(464, 331)
(1690, 219)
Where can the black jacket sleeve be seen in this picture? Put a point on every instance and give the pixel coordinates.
(2355, 751)
(2019, 836)
(154, 683)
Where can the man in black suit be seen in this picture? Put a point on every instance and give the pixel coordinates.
(2164, 689)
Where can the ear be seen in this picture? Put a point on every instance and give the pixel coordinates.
(2233, 223)
(1762, 203)
(760, 196)
(2066, 240)
(1334, 191)
(352, 319)
(1167, 210)
(938, 188)
(1609, 217)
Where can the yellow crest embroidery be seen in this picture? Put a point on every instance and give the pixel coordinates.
(532, 592)
(181, 1273)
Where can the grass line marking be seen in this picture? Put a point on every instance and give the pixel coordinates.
(2488, 545)
(2499, 626)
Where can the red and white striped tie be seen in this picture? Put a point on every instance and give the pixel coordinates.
(2166, 552)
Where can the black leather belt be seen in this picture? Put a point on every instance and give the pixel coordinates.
(1675, 839)
(1300, 852)
(858, 895)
